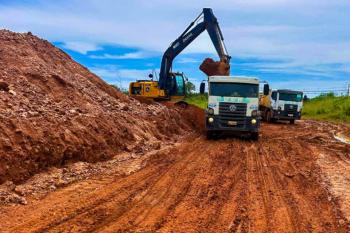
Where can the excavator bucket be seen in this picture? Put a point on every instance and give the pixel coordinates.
(211, 67)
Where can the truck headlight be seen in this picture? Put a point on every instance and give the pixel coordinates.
(253, 121)
(279, 108)
(210, 111)
(210, 120)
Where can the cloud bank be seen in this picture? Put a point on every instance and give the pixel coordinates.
(299, 39)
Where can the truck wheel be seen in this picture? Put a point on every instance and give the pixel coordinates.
(292, 122)
(210, 135)
(265, 115)
(254, 136)
(268, 116)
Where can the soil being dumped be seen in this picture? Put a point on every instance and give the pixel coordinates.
(211, 67)
(54, 111)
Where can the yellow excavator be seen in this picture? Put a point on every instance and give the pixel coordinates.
(171, 85)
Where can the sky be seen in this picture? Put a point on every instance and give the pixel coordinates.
(294, 44)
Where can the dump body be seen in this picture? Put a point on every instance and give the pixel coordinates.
(281, 105)
(233, 105)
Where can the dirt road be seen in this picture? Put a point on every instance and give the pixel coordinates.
(229, 185)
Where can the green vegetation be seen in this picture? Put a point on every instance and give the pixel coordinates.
(198, 100)
(323, 107)
(126, 92)
(327, 107)
(190, 87)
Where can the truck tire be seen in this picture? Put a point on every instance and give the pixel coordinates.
(210, 135)
(292, 122)
(265, 115)
(268, 116)
(254, 136)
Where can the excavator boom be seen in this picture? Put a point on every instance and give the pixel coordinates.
(171, 86)
(210, 24)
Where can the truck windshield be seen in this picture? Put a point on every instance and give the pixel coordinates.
(234, 89)
(297, 97)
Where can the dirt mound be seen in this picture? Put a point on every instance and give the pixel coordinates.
(54, 111)
(211, 67)
(195, 116)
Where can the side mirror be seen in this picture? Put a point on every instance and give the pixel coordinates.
(202, 88)
(266, 89)
(150, 75)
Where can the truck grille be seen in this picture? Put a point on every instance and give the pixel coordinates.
(291, 108)
(236, 114)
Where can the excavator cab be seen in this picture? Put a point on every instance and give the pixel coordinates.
(177, 86)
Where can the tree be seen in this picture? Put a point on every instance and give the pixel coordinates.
(190, 87)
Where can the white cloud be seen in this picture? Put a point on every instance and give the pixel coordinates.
(133, 55)
(134, 23)
(81, 47)
(313, 87)
(306, 33)
(120, 76)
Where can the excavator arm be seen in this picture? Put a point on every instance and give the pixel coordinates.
(210, 24)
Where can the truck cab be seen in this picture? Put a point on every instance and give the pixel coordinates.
(282, 104)
(233, 103)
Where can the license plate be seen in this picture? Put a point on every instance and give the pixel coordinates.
(290, 115)
(232, 123)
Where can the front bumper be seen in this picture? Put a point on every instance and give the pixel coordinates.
(284, 115)
(243, 125)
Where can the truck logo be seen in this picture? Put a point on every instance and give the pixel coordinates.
(233, 108)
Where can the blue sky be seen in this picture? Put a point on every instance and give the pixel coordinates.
(293, 44)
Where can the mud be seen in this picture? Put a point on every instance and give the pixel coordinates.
(280, 184)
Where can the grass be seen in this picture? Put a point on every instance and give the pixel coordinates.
(323, 107)
(198, 100)
(328, 107)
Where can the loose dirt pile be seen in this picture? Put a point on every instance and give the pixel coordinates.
(53, 111)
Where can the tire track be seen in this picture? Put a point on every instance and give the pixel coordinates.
(227, 185)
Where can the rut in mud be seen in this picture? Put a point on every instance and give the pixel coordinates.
(226, 185)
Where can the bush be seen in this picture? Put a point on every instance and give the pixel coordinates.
(198, 100)
(328, 107)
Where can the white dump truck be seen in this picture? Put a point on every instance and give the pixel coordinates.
(233, 103)
(281, 105)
